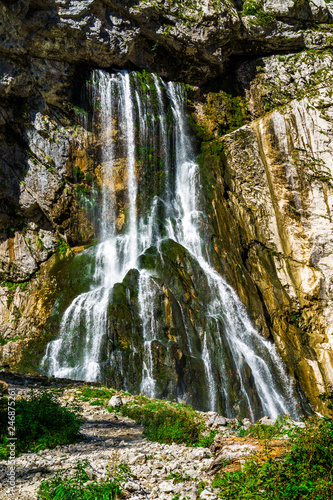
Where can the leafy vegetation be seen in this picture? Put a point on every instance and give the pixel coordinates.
(40, 422)
(79, 487)
(178, 477)
(96, 397)
(223, 113)
(304, 472)
(255, 8)
(167, 422)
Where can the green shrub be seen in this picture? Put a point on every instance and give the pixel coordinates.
(62, 246)
(304, 472)
(40, 422)
(165, 422)
(252, 7)
(206, 441)
(76, 487)
(93, 395)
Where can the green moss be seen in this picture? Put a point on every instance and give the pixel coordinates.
(255, 8)
(39, 243)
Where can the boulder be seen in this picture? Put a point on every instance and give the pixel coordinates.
(219, 422)
(199, 453)
(139, 459)
(246, 423)
(131, 486)
(115, 402)
(231, 422)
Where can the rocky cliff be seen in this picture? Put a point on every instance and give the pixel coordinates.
(259, 80)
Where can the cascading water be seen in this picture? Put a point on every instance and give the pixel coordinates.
(144, 132)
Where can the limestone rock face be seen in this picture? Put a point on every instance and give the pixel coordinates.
(273, 181)
(266, 162)
(316, 10)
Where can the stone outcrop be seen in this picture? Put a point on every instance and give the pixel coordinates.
(265, 122)
(272, 179)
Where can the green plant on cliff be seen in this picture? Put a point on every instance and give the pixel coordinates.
(11, 288)
(223, 113)
(62, 246)
(255, 8)
(304, 472)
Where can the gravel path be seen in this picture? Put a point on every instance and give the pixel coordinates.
(108, 439)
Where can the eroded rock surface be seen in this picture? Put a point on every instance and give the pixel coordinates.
(268, 181)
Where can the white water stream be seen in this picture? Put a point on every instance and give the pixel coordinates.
(125, 118)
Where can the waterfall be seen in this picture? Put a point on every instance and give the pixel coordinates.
(143, 128)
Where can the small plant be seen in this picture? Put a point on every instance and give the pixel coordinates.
(255, 8)
(264, 431)
(62, 246)
(178, 477)
(206, 441)
(77, 487)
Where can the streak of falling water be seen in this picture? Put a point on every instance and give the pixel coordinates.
(209, 373)
(77, 353)
(147, 293)
(248, 348)
(127, 110)
(132, 182)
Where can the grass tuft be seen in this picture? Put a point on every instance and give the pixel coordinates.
(79, 487)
